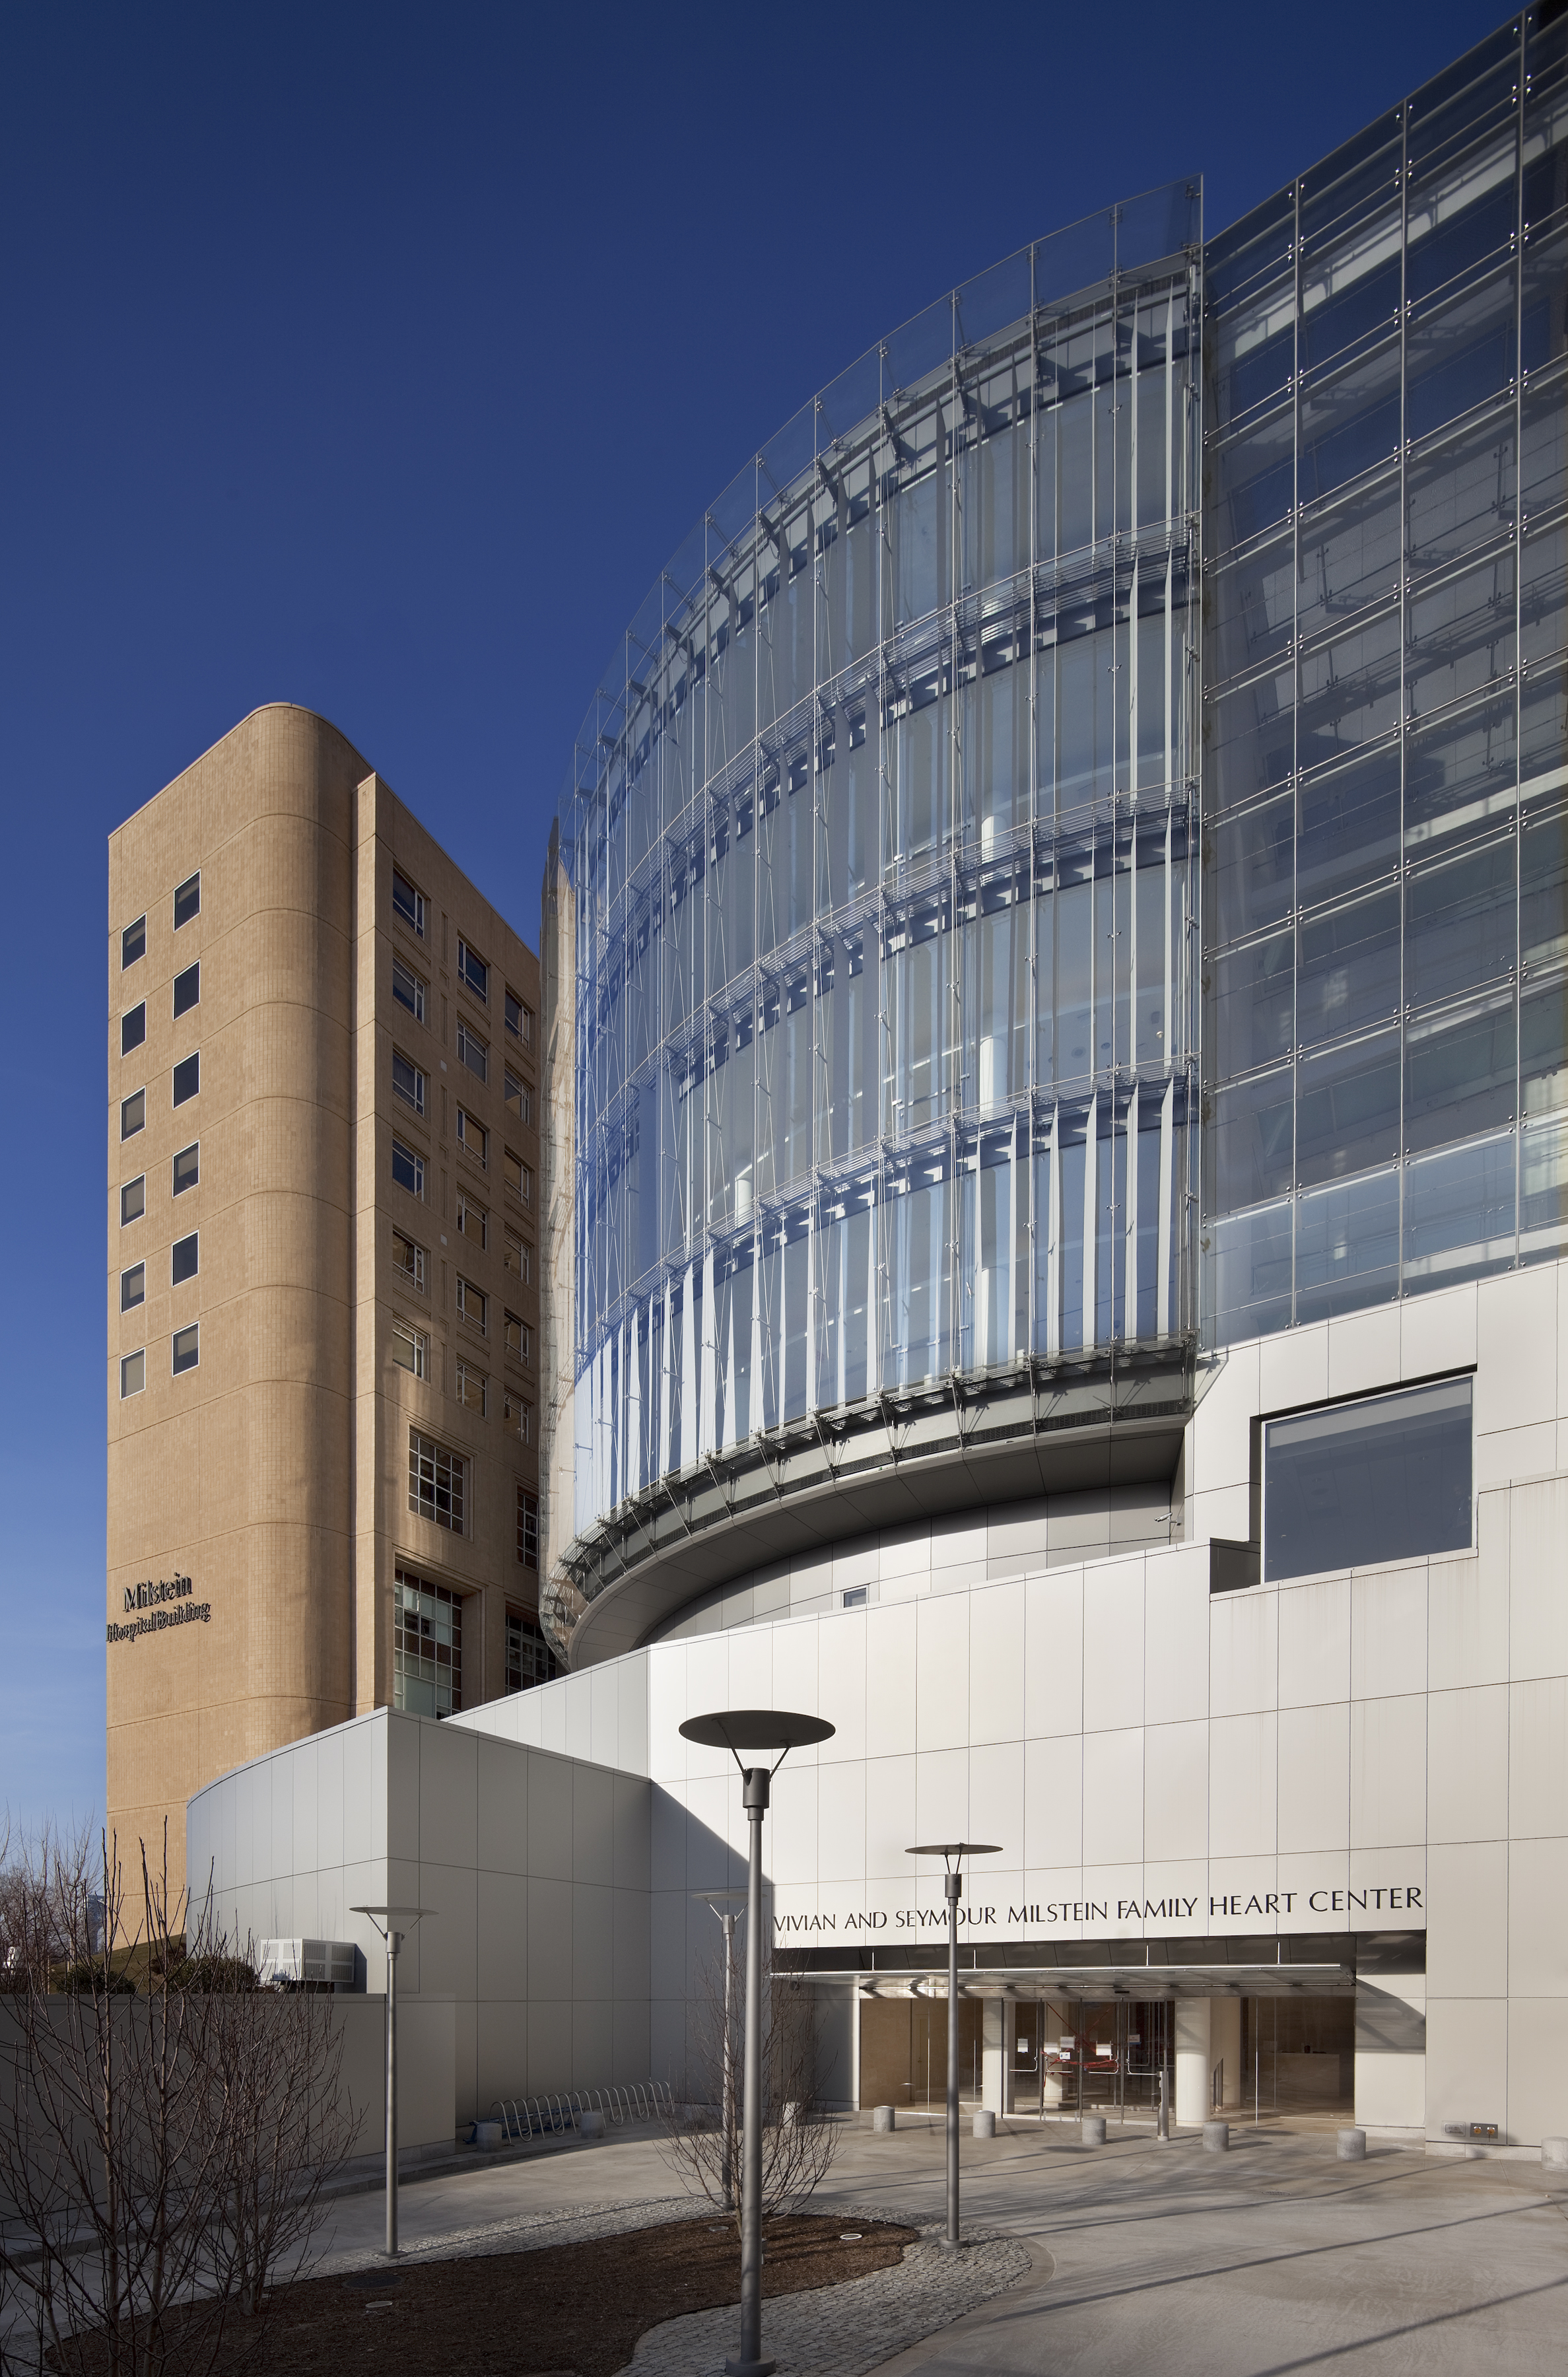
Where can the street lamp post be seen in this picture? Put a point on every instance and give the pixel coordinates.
(726, 1905)
(952, 1854)
(760, 1731)
(391, 1922)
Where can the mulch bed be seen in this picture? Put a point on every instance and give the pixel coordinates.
(577, 2308)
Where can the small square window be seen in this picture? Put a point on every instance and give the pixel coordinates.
(187, 1168)
(473, 974)
(408, 1257)
(133, 1114)
(474, 1138)
(133, 1287)
(408, 989)
(188, 900)
(854, 1596)
(472, 1302)
(133, 943)
(133, 1199)
(188, 1347)
(473, 1223)
(133, 1374)
(187, 1078)
(408, 1082)
(473, 1388)
(407, 902)
(133, 1029)
(183, 1259)
(187, 990)
(411, 1349)
(408, 1169)
(472, 1053)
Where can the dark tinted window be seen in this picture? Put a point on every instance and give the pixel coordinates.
(187, 1168)
(133, 1029)
(187, 990)
(187, 1078)
(1351, 1484)
(408, 902)
(188, 900)
(184, 1264)
(133, 1200)
(187, 1348)
(133, 1114)
(133, 943)
(133, 1287)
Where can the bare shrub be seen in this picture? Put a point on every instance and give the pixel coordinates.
(799, 2136)
(166, 2127)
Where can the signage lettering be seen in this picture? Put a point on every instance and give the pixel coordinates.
(165, 1603)
(1176, 1912)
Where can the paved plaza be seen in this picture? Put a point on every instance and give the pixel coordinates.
(1272, 2259)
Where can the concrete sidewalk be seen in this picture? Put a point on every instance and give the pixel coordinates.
(1272, 2259)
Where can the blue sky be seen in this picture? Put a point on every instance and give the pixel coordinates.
(377, 360)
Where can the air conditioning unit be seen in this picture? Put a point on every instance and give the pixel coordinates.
(310, 1964)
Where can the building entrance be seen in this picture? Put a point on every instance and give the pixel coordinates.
(904, 2051)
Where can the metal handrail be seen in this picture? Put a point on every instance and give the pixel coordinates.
(541, 2117)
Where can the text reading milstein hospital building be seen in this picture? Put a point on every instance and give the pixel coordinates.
(1055, 1071)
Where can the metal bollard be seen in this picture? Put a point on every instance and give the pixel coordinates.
(882, 2120)
(1092, 2129)
(1216, 2137)
(985, 2124)
(1350, 2145)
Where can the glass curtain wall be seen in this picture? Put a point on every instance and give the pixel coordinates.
(1385, 802)
(879, 836)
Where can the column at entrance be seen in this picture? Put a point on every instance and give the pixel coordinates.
(1193, 2064)
(998, 2052)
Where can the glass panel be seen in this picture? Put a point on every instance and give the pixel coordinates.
(1350, 832)
(1349, 424)
(1348, 1246)
(1461, 355)
(1249, 870)
(1249, 1273)
(1459, 1213)
(1459, 1074)
(1349, 692)
(1349, 558)
(1356, 1485)
(1460, 638)
(1459, 922)
(1347, 1109)
(1543, 1188)
(1248, 1010)
(1349, 968)
(1249, 740)
(1248, 1140)
(1462, 494)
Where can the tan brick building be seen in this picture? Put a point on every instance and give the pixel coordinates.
(324, 1180)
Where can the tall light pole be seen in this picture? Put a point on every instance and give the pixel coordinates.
(760, 1731)
(726, 1905)
(952, 1854)
(391, 1922)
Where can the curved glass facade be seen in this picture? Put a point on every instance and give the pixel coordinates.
(876, 854)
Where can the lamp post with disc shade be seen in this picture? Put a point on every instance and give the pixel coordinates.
(952, 1854)
(761, 1733)
(392, 1922)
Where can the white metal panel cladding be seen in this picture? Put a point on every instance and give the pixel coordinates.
(880, 831)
